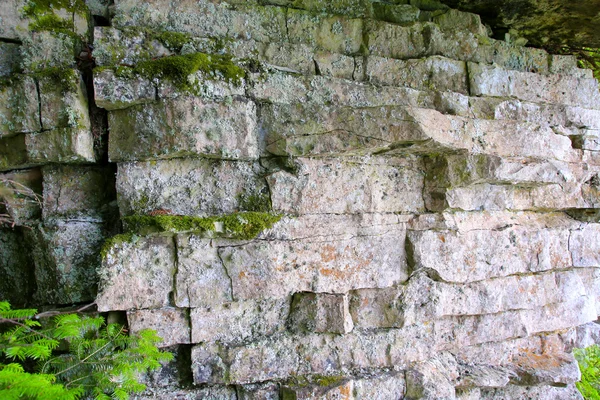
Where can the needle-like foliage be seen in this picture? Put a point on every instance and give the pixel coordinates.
(73, 356)
(589, 365)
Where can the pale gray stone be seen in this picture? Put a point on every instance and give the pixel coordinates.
(282, 88)
(77, 192)
(432, 379)
(238, 322)
(171, 324)
(19, 107)
(378, 308)
(46, 49)
(201, 279)
(137, 273)
(305, 130)
(278, 268)
(545, 392)
(66, 258)
(187, 186)
(320, 312)
(331, 33)
(182, 127)
(564, 89)
(297, 57)
(400, 42)
(584, 246)
(480, 254)
(283, 355)
(335, 65)
(266, 391)
(432, 73)
(348, 187)
(112, 92)
(388, 386)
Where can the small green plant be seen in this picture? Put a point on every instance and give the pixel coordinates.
(589, 365)
(72, 357)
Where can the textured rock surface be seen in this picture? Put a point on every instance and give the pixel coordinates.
(346, 199)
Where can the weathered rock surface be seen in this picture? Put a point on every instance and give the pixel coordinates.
(321, 199)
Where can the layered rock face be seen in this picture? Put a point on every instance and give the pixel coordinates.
(332, 200)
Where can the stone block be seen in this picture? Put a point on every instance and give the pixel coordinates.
(12, 22)
(329, 33)
(18, 281)
(20, 195)
(556, 89)
(339, 389)
(266, 391)
(239, 321)
(281, 88)
(425, 299)
(309, 130)
(396, 13)
(543, 198)
(279, 268)
(295, 57)
(387, 386)
(544, 392)
(322, 186)
(336, 65)
(459, 20)
(347, 8)
(188, 186)
(432, 73)
(63, 101)
(377, 308)
(112, 92)
(519, 58)
(320, 312)
(19, 107)
(45, 49)
(81, 192)
(71, 145)
(171, 324)
(400, 42)
(124, 46)
(9, 58)
(583, 118)
(136, 273)
(432, 379)
(284, 356)
(66, 257)
(500, 138)
(481, 254)
(201, 279)
(184, 127)
(13, 153)
(564, 315)
(206, 393)
(584, 246)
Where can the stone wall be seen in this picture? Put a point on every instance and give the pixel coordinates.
(317, 200)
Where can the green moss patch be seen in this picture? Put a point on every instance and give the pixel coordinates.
(115, 240)
(244, 225)
(63, 79)
(177, 69)
(44, 17)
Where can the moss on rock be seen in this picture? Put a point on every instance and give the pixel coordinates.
(177, 69)
(243, 225)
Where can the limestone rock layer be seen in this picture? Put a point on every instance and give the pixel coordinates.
(340, 199)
